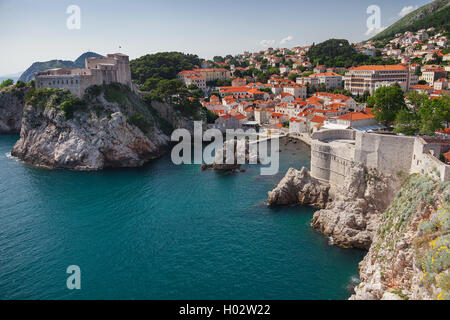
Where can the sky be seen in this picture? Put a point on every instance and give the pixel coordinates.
(37, 30)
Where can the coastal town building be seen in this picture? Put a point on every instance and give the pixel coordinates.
(105, 70)
(308, 110)
(331, 80)
(431, 74)
(203, 76)
(422, 88)
(365, 78)
(238, 82)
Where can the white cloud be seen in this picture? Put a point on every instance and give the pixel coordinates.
(287, 39)
(407, 10)
(267, 43)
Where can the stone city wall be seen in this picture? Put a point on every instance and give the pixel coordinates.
(425, 160)
(335, 152)
(389, 154)
(331, 161)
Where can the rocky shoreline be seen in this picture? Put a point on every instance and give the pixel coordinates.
(360, 214)
(58, 131)
(365, 195)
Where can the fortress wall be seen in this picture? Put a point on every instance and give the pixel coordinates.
(69, 82)
(424, 160)
(334, 134)
(98, 71)
(124, 71)
(334, 154)
(320, 160)
(389, 154)
(331, 162)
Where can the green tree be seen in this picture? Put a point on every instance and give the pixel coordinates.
(387, 102)
(168, 88)
(430, 116)
(162, 65)
(407, 122)
(292, 77)
(416, 100)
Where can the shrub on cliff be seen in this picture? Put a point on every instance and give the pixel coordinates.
(6, 83)
(210, 116)
(68, 107)
(54, 98)
(420, 212)
(189, 108)
(141, 122)
(43, 97)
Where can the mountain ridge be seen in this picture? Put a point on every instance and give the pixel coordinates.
(28, 74)
(434, 14)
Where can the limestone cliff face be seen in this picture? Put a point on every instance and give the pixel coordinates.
(353, 216)
(169, 114)
(299, 187)
(111, 127)
(12, 101)
(409, 257)
(349, 214)
(406, 229)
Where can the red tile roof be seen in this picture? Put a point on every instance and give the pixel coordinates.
(380, 68)
(318, 119)
(356, 116)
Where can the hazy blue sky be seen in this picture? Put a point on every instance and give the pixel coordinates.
(34, 30)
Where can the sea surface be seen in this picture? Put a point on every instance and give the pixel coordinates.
(161, 232)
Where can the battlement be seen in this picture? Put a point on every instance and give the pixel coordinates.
(335, 152)
(112, 68)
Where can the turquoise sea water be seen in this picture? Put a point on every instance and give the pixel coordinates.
(161, 232)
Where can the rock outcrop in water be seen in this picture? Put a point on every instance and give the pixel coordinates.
(406, 232)
(240, 151)
(409, 257)
(12, 101)
(353, 216)
(349, 214)
(111, 127)
(299, 187)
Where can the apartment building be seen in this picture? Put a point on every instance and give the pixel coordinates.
(360, 79)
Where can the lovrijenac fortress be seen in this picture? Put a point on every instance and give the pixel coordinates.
(335, 152)
(112, 68)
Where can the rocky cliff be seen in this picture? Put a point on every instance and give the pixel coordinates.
(350, 213)
(12, 101)
(174, 118)
(110, 127)
(405, 228)
(352, 217)
(298, 187)
(409, 257)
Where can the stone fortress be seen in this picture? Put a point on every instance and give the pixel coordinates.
(112, 68)
(335, 152)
